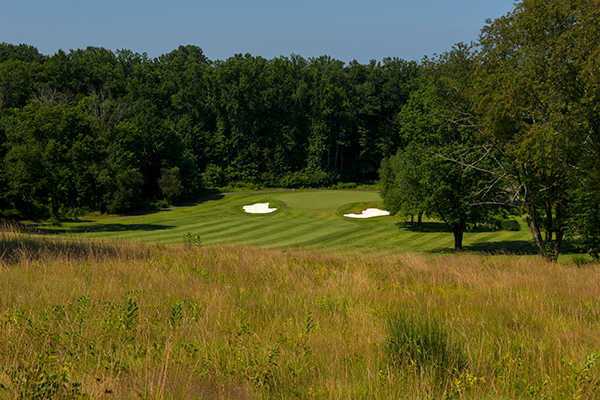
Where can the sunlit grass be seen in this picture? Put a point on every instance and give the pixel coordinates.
(304, 219)
(131, 320)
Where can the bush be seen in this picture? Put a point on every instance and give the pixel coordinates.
(170, 185)
(127, 192)
(302, 179)
(345, 185)
(214, 177)
(510, 225)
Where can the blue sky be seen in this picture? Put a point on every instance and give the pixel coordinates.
(343, 29)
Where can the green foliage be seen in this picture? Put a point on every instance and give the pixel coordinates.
(214, 177)
(43, 379)
(585, 222)
(580, 260)
(344, 185)
(51, 152)
(170, 185)
(583, 381)
(438, 172)
(540, 110)
(129, 313)
(305, 179)
(156, 124)
(176, 317)
(191, 240)
(126, 194)
(510, 225)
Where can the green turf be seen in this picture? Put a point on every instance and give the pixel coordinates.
(310, 219)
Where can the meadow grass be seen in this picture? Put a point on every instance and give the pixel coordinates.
(119, 320)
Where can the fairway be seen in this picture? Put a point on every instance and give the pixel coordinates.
(310, 219)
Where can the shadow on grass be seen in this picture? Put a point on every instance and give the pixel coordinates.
(438, 227)
(25, 247)
(426, 227)
(508, 247)
(514, 247)
(87, 227)
(210, 197)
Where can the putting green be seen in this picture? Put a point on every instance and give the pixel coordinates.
(310, 219)
(321, 200)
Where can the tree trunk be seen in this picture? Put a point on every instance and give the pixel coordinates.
(532, 221)
(458, 229)
(420, 220)
(560, 208)
(54, 200)
(335, 160)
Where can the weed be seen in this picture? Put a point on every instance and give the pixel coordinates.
(190, 240)
(176, 314)
(130, 313)
(44, 379)
(583, 381)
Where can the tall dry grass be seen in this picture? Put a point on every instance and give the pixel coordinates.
(102, 320)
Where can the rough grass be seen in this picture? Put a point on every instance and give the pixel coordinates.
(85, 319)
(305, 219)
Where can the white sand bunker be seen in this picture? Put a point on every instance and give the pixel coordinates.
(369, 213)
(259, 208)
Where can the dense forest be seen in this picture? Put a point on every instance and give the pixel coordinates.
(511, 121)
(100, 130)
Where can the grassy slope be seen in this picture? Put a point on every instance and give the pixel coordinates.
(127, 320)
(304, 218)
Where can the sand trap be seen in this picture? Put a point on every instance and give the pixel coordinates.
(259, 208)
(369, 213)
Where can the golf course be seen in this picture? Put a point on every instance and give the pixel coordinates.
(291, 300)
(311, 219)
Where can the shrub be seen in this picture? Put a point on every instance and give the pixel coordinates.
(127, 192)
(510, 225)
(300, 179)
(580, 260)
(345, 185)
(169, 183)
(214, 177)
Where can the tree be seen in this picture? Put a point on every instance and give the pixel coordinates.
(439, 172)
(50, 149)
(538, 100)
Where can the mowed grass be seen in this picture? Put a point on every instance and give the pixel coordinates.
(88, 319)
(308, 219)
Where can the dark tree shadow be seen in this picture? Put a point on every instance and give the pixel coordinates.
(510, 247)
(210, 197)
(439, 227)
(87, 227)
(516, 247)
(36, 248)
(426, 227)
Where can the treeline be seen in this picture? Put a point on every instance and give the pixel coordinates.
(93, 129)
